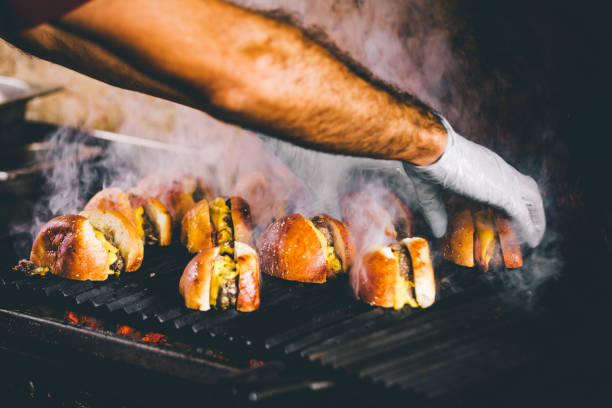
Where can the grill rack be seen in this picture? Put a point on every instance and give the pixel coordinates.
(468, 337)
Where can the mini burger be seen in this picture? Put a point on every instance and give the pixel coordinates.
(481, 237)
(298, 249)
(219, 222)
(177, 190)
(222, 277)
(396, 275)
(90, 246)
(148, 215)
(153, 220)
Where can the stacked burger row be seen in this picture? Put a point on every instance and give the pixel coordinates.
(375, 243)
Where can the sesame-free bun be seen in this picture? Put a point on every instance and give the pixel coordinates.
(198, 231)
(458, 242)
(67, 245)
(481, 237)
(194, 284)
(122, 234)
(175, 189)
(241, 219)
(422, 270)
(115, 199)
(248, 278)
(291, 250)
(509, 243)
(196, 228)
(378, 280)
(156, 211)
(375, 276)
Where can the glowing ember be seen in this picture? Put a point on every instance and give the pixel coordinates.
(153, 337)
(255, 363)
(127, 331)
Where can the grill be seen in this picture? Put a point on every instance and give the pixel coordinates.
(467, 338)
(306, 341)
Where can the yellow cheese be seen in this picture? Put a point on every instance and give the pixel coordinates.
(139, 220)
(402, 289)
(41, 270)
(224, 269)
(332, 260)
(111, 251)
(221, 217)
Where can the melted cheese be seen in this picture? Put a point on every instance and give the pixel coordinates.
(486, 235)
(41, 270)
(224, 269)
(220, 216)
(402, 289)
(332, 260)
(111, 251)
(139, 220)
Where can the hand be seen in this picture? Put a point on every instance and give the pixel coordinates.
(476, 172)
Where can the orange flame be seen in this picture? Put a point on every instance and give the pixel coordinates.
(127, 331)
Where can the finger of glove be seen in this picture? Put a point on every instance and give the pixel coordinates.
(532, 220)
(429, 198)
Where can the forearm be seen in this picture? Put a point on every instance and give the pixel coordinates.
(258, 72)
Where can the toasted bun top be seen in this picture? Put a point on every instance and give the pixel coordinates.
(137, 197)
(112, 199)
(174, 189)
(122, 234)
(161, 219)
(458, 243)
(67, 245)
(241, 218)
(248, 278)
(197, 228)
(194, 285)
(374, 277)
(422, 269)
(510, 247)
(290, 249)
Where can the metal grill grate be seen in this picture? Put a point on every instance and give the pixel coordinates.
(465, 338)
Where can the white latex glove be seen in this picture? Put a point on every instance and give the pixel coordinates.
(476, 172)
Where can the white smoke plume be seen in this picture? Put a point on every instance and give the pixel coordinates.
(405, 43)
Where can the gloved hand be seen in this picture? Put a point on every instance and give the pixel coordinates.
(476, 172)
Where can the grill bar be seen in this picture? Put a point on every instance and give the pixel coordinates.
(450, 346)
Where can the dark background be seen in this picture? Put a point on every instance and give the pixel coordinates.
(551, 63)
(548, 65)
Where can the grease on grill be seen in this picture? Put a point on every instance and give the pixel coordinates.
(29, 268)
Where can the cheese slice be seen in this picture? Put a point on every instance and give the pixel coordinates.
(138, 216)
(403, 287)
(111, 251)
(332, 260)
(224, 269)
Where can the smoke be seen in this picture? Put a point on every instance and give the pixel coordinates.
(408, 44)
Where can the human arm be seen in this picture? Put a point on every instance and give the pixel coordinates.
(244, 68)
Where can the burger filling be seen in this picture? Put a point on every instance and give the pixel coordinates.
(146, 229)
(320, 227)
(485, 236)
(404, 282)
(113, 257)
(223, 288)
(30, 269)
